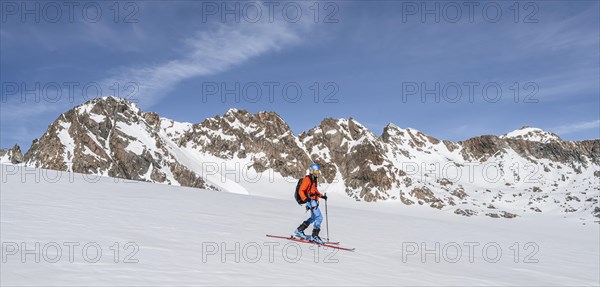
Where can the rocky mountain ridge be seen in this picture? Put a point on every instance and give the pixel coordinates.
(527, 171)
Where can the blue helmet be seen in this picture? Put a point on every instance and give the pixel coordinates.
(314, 169)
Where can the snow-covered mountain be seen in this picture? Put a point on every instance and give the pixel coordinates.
(525, 171)
(532, 134)
(112, 137)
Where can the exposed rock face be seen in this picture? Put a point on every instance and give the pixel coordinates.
(482, 148)
(526, 171)
(12, 155)
(263, 137)
(460, 193)
(111, 137)
(466, 212)
(502, 214)
(347, 147)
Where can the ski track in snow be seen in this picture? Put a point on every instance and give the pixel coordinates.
(171, 223)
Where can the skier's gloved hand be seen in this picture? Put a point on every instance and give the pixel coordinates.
(324, 197)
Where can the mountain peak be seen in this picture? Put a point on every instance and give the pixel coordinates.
(110, 102)
(391, 131)
(392, 126)
(233, 111)
(529, 133)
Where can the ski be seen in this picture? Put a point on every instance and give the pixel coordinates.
(327, 244)
(302, 239)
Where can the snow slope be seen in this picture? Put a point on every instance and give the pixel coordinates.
(175, 227)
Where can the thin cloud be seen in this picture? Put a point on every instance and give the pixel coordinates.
(25, 111)
(576, 127)
(205, 54)
(565, 33)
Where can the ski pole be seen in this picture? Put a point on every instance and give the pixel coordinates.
(326, 218)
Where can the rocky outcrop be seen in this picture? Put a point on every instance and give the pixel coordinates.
(264, 138)
(482, 148)
(502, 214)
(12, 155)
(465, 212)
(348, 148)
(578, 153)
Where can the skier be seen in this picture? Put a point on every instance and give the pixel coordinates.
(310, 194)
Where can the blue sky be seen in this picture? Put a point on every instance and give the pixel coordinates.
(368, 59)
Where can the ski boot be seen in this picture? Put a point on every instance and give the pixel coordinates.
(315, 236)
(300, 231)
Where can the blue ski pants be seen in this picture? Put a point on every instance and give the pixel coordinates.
(315, 214)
